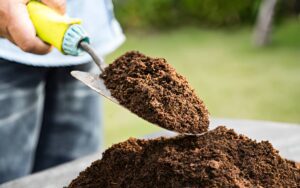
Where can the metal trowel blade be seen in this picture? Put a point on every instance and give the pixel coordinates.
(95, 83)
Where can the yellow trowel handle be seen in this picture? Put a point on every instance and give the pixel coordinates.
(52, 27)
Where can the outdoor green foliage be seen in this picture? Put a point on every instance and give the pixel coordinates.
(165, 13)
(219, 12)
(162, 14)
(234, 79)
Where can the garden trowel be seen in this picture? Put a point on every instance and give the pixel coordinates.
(69, 37)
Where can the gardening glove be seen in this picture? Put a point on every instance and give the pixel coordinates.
(16, 26)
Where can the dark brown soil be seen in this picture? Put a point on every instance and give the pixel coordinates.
(219, 158)
(151, 88)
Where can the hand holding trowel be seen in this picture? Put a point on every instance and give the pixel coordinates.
(148, 87)
(68, 36)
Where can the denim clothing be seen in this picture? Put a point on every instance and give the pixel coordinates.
(98, 20)
(46, 118)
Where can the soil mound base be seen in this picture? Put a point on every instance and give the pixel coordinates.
(151, 88)
(219, 158)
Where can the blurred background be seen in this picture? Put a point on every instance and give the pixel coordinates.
(241, 57)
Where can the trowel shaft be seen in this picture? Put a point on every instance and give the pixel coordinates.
(87, 48)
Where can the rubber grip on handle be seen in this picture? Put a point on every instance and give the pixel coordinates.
(50, 26)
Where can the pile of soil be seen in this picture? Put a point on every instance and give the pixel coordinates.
(152, 89)
(219, 158)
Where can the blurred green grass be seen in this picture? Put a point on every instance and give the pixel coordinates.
(235, 79)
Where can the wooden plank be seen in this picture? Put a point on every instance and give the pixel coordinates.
(56, 177)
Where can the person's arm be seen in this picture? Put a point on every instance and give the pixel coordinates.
(16, 26)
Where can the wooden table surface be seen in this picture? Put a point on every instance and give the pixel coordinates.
(284, 137)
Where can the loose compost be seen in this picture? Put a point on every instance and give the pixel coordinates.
(219, 158)
(153, 90)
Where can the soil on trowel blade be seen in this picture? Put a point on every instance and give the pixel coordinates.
(152, 89)
(219, 158)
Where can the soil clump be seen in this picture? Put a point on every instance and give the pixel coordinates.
(219, 158)
(152, 89)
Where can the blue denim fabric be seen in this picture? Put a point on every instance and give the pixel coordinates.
(46, 118)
